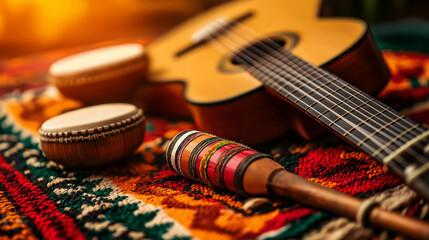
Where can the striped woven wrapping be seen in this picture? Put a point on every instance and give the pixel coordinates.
(141, 198)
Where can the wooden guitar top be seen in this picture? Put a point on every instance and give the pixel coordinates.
(319, 41)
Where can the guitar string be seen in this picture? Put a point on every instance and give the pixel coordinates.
(394, 128)
(296, 87)
(386, 149)
(274, 46)
(316, 87)
(341, 101)
(416, 128)
(219, 43)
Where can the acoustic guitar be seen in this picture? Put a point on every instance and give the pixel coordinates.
(233, 69)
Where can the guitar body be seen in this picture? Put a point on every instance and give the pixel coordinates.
(202, 82)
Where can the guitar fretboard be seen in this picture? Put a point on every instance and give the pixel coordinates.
(377, 129)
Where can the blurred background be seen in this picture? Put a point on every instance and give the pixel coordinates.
(29, 26)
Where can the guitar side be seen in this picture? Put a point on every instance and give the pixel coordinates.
(234, 105)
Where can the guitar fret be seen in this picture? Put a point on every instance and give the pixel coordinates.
(393, 140)
(347, 111)
(317, 101)
(308, 68)
(300, 98)
(343, 101)
(323, 113)
(311, 105)
(283, 88)
(378, 130)
(305, 72)
(364, 121)
(305, 66)
(290, 93)
(297, 88)
(304, 96)
(324, 97)
(404, 147)
(313, 90)
(280, 87)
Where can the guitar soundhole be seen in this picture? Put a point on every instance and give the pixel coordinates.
(231, 63)
(258, 49)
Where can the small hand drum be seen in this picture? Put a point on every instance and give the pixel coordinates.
(103, 75)
(93, 135)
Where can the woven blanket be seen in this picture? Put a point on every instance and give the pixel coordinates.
(141, 198)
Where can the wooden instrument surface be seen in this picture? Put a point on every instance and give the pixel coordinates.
(320, 40)
(224, 99)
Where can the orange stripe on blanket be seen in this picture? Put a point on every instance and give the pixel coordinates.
(12, 222)
(205, 218)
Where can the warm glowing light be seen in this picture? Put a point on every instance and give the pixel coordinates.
(34, 25)
(48, 19)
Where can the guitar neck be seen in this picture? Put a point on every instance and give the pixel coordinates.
(396, 141)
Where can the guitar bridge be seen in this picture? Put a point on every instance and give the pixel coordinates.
(211, 30)
(201, 36)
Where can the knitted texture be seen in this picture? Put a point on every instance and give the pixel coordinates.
(142, 198)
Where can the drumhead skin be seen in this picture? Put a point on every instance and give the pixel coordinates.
(96, 59)
(93, 136)
(108, 74)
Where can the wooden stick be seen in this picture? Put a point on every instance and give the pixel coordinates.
(281, 183)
